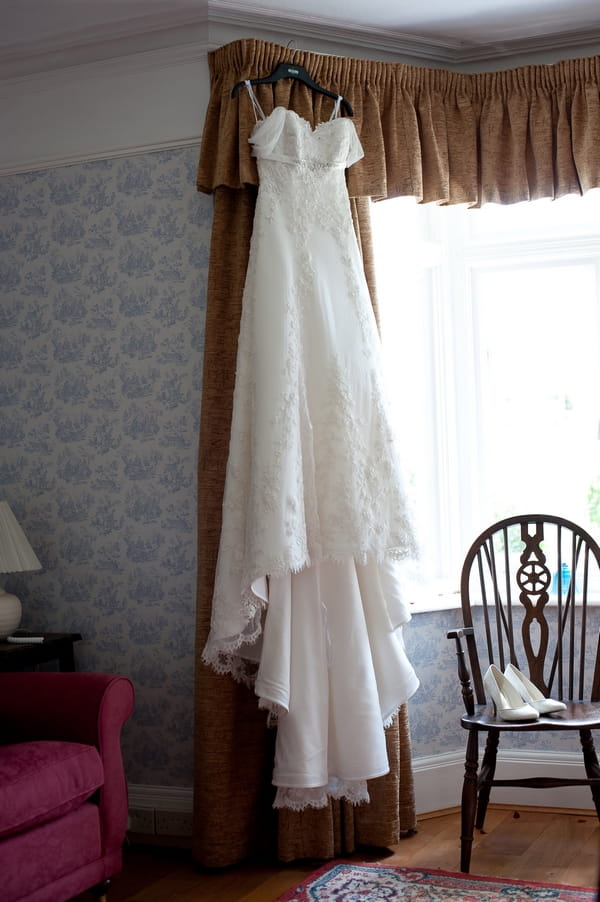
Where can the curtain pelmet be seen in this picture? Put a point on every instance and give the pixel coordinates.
(439, 136)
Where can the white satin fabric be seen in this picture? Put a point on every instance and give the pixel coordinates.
(333, 665)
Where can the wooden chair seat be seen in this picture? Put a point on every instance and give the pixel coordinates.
(577, 716)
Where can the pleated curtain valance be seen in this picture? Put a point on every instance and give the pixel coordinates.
(440, 136)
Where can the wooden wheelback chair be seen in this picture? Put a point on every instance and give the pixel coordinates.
(527, 585)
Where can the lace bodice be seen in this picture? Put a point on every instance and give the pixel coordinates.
(286, 137)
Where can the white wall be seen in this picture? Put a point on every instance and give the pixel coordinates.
(120, 107)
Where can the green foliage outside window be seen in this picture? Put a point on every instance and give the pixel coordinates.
(593, 500)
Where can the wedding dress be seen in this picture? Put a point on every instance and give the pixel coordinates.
(308, 606)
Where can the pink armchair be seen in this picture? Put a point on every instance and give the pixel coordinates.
(63, 794)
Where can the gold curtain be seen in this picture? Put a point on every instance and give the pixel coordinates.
(439, 136)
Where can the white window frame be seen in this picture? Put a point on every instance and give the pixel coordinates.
(456, 256)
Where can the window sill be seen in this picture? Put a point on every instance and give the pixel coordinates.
(446, 602)
(451, 602)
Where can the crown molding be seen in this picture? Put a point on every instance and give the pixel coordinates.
(114, 66)
(568, 41)
(221, 21)
(324, 30)
(114, 39)
(455, 54)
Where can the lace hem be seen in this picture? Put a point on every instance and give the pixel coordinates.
(225, 655)
(241, 669)
(389, 720)
(299, 799)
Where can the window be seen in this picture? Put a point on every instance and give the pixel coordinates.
(490, 324)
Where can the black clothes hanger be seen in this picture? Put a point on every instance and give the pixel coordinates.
(290, 70)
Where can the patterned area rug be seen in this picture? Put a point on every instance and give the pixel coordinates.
(350, 882)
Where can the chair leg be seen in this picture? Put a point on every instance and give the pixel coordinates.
(486, 775)
(592, 767)
(469, 801)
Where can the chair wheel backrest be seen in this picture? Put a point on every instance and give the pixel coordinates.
(526, 587)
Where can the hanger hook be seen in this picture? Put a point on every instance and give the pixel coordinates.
(289, 46)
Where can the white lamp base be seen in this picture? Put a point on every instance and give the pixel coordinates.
(10, 614)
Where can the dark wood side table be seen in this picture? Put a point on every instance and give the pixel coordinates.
(55, 647)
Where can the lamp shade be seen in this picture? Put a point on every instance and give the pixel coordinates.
(16, 554)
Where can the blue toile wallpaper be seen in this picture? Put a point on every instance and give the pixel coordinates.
(102, 294)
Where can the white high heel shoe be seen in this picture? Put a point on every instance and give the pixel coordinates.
(507, 702)
(530, 693)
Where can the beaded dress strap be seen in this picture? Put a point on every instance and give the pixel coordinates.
(336, 107)
(258, 110)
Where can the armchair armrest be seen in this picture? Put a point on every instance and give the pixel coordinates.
(90, 708)
(464, 673)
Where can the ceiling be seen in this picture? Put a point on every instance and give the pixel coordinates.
(39, 33)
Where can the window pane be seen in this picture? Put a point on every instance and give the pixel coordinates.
(491, 337)
(539, 376)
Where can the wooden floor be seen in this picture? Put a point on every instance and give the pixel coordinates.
(532, 844)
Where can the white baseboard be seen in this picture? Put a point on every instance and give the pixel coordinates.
(168, 810)
(161, 810)
(163, 798)
(439, 778)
